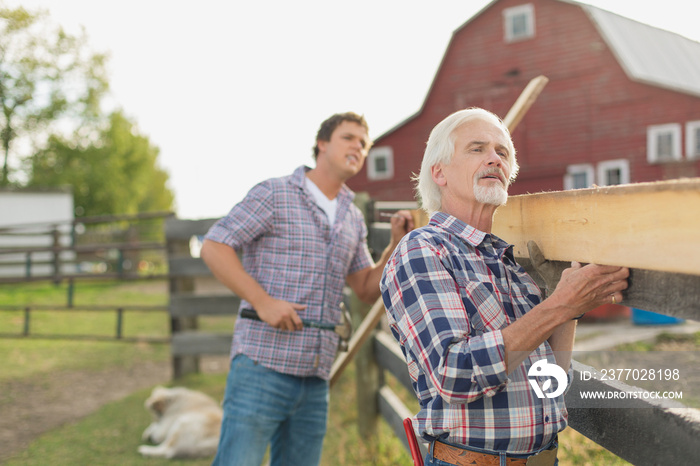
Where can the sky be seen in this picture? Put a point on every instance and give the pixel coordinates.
(232, 92)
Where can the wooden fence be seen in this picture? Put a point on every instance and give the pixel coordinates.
(652, 234)
(193, 293)
(109, 247)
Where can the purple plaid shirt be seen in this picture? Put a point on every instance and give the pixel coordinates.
(288, 246)
(449, 290)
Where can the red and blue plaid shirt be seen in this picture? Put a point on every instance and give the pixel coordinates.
(449, 290)
(288, 246)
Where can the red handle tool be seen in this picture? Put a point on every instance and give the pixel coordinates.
(412, 442)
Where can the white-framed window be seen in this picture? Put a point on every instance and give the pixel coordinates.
(692, 139)
(579, 176)
(380, 163)
(612, 172)
(664, 143)
(519, 22)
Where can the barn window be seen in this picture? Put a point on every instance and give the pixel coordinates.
(578, 176)
(692, 139)
(664, 143)
(380, 163)
(519, 22)
(612, 172)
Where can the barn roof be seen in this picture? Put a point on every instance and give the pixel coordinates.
(650, 55)
(647, 54)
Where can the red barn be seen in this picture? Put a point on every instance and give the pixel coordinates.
(622, 104)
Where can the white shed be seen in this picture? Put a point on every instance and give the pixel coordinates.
(28, 219)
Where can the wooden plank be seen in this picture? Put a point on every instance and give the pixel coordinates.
(672, 294)
(394, 412)
(195, 305)
(390, 358)
(176, 228)
(194, 343)
(525, 101)
(651, 226)
(369, 323)
(187, 267)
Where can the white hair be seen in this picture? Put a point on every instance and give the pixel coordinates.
(440, 149)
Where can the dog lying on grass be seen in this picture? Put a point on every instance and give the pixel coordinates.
(187, 424)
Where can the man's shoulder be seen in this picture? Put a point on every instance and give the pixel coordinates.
(284, 182)
(430, 234)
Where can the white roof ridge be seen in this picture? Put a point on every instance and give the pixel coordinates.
(649, 54)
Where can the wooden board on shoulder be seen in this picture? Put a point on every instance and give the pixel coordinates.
(652, 226)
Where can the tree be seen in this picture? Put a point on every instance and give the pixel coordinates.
(117, 173)
(45, 75)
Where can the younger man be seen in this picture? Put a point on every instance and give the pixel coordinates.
(301, 240)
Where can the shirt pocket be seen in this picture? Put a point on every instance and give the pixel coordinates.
(484, 309)
(525, 294)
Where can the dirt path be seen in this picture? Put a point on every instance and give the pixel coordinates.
(30, 408)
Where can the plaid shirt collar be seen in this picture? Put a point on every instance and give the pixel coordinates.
(298, 179)
(471, 235)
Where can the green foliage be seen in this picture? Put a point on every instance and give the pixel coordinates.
(115, 174)
(51, 86)
(45, 74)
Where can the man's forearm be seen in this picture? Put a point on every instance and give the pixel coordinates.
(225, 265)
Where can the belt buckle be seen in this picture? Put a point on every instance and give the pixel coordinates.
(543, 458)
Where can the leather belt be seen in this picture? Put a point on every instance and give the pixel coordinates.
(463, 457)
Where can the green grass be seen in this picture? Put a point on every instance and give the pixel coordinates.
(111, 435)
(661, 339)
(85, 292)
(28, 357)
(135, 324)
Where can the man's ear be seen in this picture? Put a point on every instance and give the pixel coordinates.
(321, 146)
(438, 175)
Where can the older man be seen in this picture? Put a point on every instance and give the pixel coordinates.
(470, 321)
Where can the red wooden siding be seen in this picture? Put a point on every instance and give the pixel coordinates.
(589, 112)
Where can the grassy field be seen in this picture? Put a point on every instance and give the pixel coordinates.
(111, 435)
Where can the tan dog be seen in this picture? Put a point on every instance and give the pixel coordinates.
(186, 423)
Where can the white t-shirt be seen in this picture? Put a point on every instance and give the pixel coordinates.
(327, 205)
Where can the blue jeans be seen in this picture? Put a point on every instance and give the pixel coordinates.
(264, 407)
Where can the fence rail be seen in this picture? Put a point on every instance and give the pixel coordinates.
(65, 248)
(72, 249)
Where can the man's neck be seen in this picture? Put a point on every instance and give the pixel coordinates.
(476, 215)
(329, 185)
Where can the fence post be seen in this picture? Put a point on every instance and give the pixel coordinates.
(28, 265)
(56, 255)
(367, 376)
(120, 323)
(27, 316)
(368, 373)
(182, 365)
